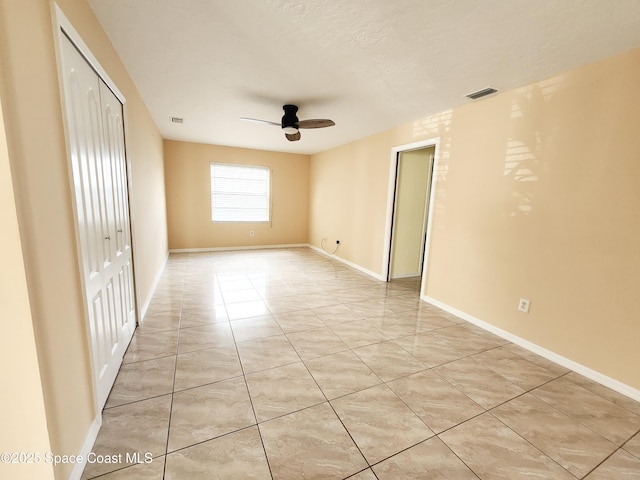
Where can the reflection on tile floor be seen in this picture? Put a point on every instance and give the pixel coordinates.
(284, 364)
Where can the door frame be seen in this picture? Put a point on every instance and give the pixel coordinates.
(64, 28)
(391, 204)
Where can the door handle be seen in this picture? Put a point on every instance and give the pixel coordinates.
(108, 237)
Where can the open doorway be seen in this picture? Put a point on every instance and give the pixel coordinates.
(410, 190)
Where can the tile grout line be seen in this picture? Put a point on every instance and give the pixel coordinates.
(246, 386)
(173, 386)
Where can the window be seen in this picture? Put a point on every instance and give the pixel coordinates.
(239, 193)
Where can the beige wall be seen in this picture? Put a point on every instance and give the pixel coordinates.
(30, 93)
(22, 413)
(188, 188)
(536, 196)
(347, 200)
(410, 212)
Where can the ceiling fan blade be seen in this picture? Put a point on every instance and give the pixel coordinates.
(255, 120)
(316, 123)
(292, 137)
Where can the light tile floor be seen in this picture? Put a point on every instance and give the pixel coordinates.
(284, 364)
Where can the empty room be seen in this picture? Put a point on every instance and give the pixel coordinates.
(295, 239)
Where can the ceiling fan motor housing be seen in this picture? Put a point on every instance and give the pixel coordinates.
(289, 119)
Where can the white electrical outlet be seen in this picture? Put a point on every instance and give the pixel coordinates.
(523, 305)
(252, 233)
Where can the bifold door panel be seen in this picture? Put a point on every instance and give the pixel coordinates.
(96, 141)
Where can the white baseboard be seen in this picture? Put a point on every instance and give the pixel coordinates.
(145, 306)
(355, 266)
(87, 446)
(224, 249)
(591, 374)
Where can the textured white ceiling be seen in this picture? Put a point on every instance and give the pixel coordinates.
(369, 65)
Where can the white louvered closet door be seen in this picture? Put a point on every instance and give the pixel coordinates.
(96, 141)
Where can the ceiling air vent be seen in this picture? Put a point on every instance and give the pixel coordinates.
(481, 93)
(176, 120)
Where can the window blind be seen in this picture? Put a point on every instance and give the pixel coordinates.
(239, 193)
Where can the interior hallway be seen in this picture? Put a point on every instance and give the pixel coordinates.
(285, 364)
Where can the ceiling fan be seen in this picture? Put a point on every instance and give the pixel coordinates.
(290, 124)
